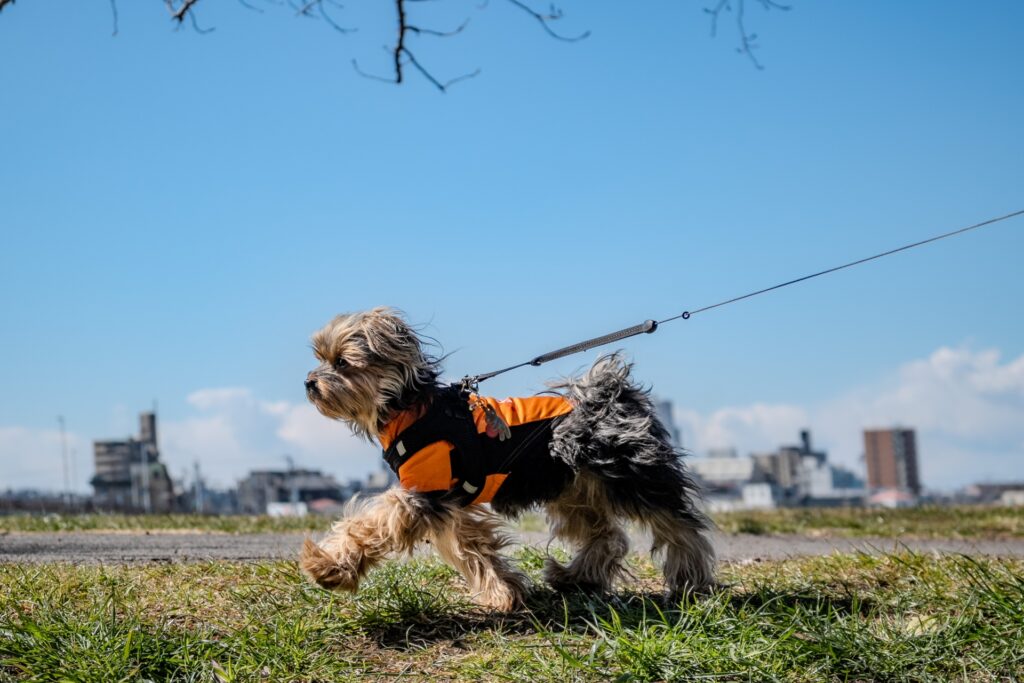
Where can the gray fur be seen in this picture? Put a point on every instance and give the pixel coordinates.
(614, 433)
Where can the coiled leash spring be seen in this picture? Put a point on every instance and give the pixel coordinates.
(471, 382)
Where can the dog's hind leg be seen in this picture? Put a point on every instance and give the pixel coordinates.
(689, 558)
(583, 517)
(371, 530)
(470, 539)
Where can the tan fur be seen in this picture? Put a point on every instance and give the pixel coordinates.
(583, 517)
(369, 532)
(468, 538)
(382, 356)
(689, 562)
(472, 542)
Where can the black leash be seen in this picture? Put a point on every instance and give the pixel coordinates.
(470, 382)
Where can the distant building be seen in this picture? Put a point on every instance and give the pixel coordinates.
(792, 475)
(1004, 493)
(785, 464)
(664, 410)
(264, 489)
(891, 456)
(722, 469)
(821, 483)
(733, 483)
(129, 474)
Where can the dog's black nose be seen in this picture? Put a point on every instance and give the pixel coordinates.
(310, 383)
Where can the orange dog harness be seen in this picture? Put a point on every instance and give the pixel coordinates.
(453, 447)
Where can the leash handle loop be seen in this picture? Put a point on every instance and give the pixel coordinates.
(646, 327)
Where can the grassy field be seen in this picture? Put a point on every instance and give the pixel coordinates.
(893, 617)
(923, 522)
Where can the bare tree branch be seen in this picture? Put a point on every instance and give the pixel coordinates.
(443, 87)
(113, 11)
(545, 19)
(440, 34)
(400, 46)
(401, 52)
(715, 12)
(178, 13)
(747, 40)
(195, 24)
(330, 20)
(247, 5)
(747, 45)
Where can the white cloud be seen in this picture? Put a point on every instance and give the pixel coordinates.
(234, 432)
(32, 458)
(746, 428)
(966, 405)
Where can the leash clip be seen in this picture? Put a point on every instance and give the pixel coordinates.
(470, 384)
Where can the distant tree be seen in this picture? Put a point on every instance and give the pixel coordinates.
(182, 11)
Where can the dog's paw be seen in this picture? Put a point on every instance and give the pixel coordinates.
(325, 570)
(562, 580)
(504, 597)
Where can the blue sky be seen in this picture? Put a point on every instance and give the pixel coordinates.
(180, 211)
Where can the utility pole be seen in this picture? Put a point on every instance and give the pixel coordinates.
(74, 467)
(145, 478)
(64, 458)
(294, 497)
(197, 490)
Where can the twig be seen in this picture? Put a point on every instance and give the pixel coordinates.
(443, 87)
(747, 45)
(113, 11)
(331, 22)
(196, 26)
(366, 74)
(440, 34)
(247, 5)
(747, 40)
(722, 4)
(544, 20)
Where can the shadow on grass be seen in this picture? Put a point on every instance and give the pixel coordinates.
(551, 612)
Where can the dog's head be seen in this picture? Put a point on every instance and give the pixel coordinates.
(372, 364)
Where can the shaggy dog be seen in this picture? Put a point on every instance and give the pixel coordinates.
(593, 453)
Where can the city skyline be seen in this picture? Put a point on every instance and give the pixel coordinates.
(757, 429)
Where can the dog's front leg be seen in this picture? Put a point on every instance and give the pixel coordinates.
(370, 531)
(470, 539)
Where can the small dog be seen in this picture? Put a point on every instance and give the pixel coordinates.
(593, 453)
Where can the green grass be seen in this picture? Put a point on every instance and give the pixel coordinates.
(902, 617)
(922, 522)
(232, 524)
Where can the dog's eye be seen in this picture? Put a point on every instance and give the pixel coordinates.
(340, 363)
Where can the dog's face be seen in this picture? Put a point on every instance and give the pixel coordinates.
(371, 364)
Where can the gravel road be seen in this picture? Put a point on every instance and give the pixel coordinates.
(142, 547)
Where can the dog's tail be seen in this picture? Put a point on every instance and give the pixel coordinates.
(615, 433)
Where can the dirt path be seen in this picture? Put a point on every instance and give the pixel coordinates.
(143, 547)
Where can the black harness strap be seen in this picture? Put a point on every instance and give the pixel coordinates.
(448, 418)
